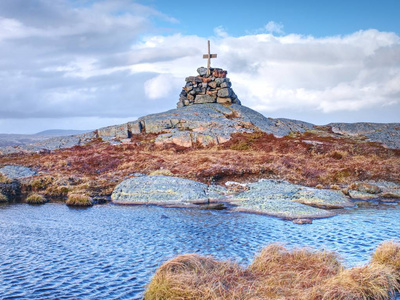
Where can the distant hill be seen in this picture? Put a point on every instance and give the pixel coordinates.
(26, 139)
(61, 132)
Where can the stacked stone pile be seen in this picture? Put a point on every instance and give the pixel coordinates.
(214, 87)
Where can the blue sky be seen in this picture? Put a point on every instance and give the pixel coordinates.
(86, 64)
(309, 17)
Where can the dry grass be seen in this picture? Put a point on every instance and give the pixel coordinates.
(79, 200)
(276, 273)
(3, 198)
(388, 254)
(98, 167)
(36, 199)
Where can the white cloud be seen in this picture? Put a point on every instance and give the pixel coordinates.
(63, 62)
(160, 86)
(273, 27)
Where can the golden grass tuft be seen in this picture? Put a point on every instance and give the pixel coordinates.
(3, 198)
(278, 273)
(79, 200)
(36, 199)
(388, 254)
(368, 282)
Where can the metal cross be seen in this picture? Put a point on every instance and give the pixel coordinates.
(209, 56)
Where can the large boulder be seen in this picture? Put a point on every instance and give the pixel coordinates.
(283, 199)
(160, 190)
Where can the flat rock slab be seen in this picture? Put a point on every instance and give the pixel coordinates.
(17, 172)
(159, 190)
(322, 198)
(286, 200)
(375, 189)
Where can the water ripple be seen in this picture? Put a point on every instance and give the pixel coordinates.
(111, 252)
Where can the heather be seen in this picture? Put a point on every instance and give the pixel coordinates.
(314, 158)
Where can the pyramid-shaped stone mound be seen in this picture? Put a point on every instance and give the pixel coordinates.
(210, 86)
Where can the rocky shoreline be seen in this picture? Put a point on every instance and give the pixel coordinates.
(271, 197)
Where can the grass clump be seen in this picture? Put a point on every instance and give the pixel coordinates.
(3, 198)
(36, 199)
(79, 200)
(388, 254)
(278, 273)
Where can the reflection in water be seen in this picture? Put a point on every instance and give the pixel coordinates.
(111, 252)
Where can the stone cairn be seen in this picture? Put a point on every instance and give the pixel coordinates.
(208, 87)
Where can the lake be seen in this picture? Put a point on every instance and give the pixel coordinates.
(111, 252)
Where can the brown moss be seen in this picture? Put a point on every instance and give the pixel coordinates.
(308, 159)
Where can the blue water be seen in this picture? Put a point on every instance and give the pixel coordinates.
(111, 252)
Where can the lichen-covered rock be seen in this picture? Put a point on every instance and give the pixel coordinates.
(322, 198)
(159, 190)
(387, 134)
(279, 198)
(17, 172)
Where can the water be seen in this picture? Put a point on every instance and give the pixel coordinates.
(111, 252)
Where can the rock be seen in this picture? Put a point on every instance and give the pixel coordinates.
(362, 195)
(159, 190)
(387, 134)
(302, 221)
(204, 99)
(224, 92)
(322, 198)
(202, 71)
(367, 188)
(17, 172)
(276, 198)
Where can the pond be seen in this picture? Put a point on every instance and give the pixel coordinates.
(111, 252)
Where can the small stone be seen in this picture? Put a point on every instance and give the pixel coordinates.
(302, 221)
(188, 88)
(193, 79)
(226, 84)
(190, 97)
(204, 99)
(225, 92)
(204, 84)
(202, 71)
(212, 84)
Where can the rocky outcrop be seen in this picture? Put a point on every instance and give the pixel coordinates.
(210, 123)
(388, 191)
(387, 134)
(214, 87)
(159, 190)
(16, 172)
(289, 201)
(51, 144)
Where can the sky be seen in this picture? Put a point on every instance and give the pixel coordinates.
(69, 64)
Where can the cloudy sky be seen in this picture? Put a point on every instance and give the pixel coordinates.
(85, 64)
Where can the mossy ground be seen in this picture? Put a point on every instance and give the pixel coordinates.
(313, 158)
